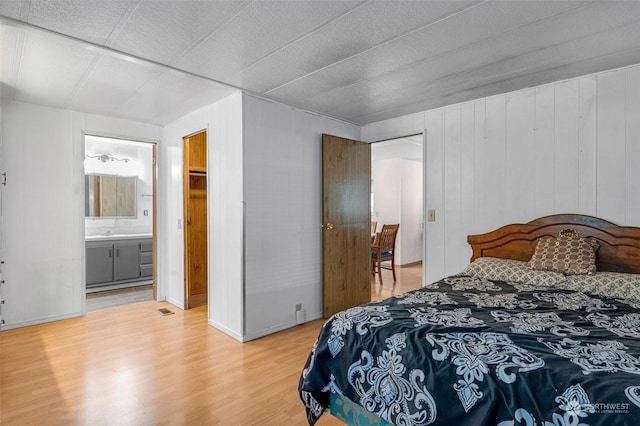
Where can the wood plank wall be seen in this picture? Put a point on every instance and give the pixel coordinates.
(570, 146)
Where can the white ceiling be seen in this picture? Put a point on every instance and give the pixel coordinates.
(360, 61)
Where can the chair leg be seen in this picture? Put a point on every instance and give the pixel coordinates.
(393, 268)
(380, 271)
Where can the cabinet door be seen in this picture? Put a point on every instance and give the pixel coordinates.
(99, 264)
(126, 264)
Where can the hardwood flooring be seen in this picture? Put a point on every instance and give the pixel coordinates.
(129, 365)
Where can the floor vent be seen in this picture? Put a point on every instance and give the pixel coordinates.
(164, 311)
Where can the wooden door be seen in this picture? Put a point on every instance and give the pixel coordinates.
(195, 219)
(346, 218)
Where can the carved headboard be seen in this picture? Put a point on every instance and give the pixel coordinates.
(619, 245)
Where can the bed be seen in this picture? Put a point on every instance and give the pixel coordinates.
(542, 328)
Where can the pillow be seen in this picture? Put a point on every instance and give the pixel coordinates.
(491, 268)
(610, 284)
(566, 255)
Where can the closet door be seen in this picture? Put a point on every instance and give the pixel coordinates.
(195, 219)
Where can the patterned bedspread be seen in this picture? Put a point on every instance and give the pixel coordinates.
(468, 351)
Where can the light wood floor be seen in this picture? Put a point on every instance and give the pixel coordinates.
(128, 365)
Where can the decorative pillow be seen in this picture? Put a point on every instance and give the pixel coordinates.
(610, 284)
(566, 255)
(491, 268)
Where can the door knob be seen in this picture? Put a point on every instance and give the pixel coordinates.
(329, 226)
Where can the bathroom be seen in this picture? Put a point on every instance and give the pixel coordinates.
(119, 217)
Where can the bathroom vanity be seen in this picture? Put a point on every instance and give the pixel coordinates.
(118, 259)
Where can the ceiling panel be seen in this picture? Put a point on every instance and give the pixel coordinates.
(361, 29)
(387, 94)
(91, 21)
(488, 20)
(48, 73)
(172, 95)
(113, 80)
(359, 61)
(163, 31)
(529, 80)
(260, 29)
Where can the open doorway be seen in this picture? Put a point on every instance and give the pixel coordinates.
(119, 187)
(397, 171)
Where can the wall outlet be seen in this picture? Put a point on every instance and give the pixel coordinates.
(298, 307)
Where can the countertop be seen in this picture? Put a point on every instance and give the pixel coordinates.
(116, 237)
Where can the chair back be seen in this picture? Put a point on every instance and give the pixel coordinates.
(386, 239)
(374, 226)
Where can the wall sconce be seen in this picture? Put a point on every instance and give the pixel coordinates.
(104, 158)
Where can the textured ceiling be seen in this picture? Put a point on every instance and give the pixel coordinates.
(360, 61)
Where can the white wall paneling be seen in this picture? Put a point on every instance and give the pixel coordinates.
(452, 208)
(43, 263)
(587, 137)
(433, 265)
(223, 122)
(495, 161)
(467, 173)
(544, 150)
(225, 204)
(566, 147)
(43, 209)
(611, 151)
(282, 192)
(519, 137)
(632, 137)
(410, 240)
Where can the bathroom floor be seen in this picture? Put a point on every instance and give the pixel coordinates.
(124, 296)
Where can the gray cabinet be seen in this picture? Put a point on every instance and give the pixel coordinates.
(99, 264)
(118, 261)
(126, 265)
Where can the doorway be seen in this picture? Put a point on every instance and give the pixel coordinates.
(119, 188)
(397, 170)
(194, 168)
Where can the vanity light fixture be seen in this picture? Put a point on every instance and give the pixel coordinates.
(104, 158)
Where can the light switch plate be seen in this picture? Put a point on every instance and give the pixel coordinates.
(431, 215)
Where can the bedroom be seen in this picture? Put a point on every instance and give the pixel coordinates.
(589, 118)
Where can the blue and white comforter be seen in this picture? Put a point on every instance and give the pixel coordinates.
(468, 351)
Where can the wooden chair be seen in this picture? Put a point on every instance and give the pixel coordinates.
(374, 227)
(383, 249)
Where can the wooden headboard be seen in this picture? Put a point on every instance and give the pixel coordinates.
(619, 245)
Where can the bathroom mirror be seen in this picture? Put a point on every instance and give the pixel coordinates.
(110, 196)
